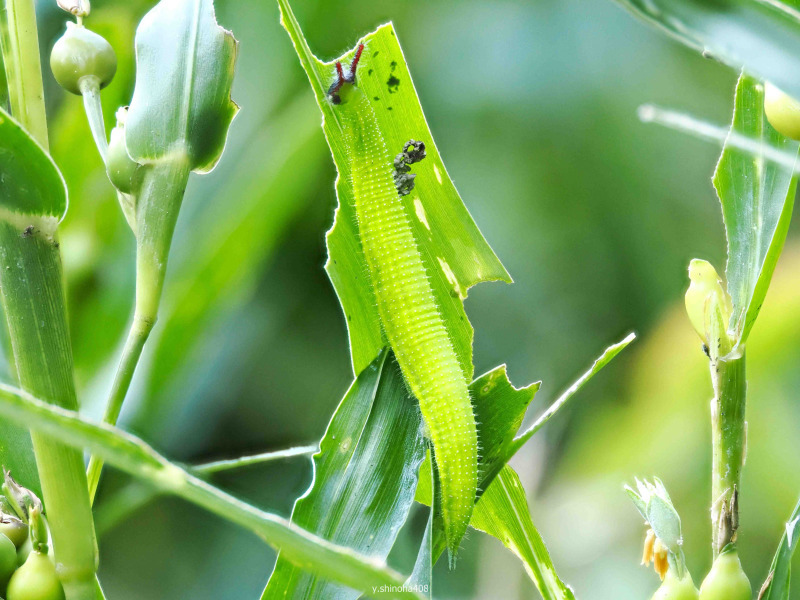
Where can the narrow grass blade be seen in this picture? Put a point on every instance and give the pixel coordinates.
(762, 36)
(123, 503)
(686, 123)
(119, 506)
(137, 458)
(218, 466)
(776, 586)
(499, 411)
(364, 478)
(608, 355)
(503, 513)
(757, 197)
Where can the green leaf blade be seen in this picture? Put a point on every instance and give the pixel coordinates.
(599, 364)
(499, 411)
(365, 475)
(137, 458)
(16, 455)
(182, 104)
(31, 186)
(503, 513)
(763, 38)
(455, 254)
(757, 196)
(777, 585)
(666, 523)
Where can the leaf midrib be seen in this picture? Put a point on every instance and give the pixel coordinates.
(189, 70)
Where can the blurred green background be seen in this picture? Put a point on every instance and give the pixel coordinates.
(533, 106)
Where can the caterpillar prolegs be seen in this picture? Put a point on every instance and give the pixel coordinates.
(410, 317)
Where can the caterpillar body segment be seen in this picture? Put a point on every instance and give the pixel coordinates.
(410, 317)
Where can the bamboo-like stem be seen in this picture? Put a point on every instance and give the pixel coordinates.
(24, 74)
(31, 286)
(728, 447)
(157, 208)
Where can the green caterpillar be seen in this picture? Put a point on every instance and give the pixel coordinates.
(410, 316)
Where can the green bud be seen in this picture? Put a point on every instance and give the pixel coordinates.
(726, 580)
(38, 529)
(8, 560)
(21, 499)
(655, 505)
(673, 588)
(709, 307)
(81, 57)
(783, 111)
(36, 580)
(13, 529)
(121, 168)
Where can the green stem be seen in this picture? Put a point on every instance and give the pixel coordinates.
(90, 91)
(31, 286)
(157, 208)
(728, 427)
(137, 336)
(20, 41)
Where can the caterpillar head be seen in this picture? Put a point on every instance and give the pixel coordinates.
(341, 86)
